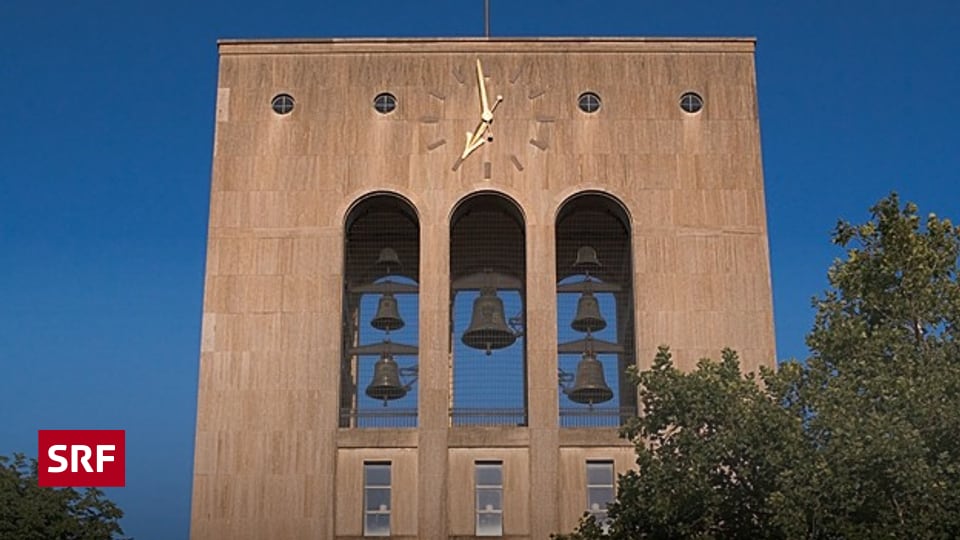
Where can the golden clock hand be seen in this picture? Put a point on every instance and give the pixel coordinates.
(467, 146)
(475, 140)
(485, 112)
(495, 104)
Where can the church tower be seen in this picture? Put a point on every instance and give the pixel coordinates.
(431, 263)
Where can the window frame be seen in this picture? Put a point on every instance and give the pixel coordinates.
(282, 104)
(589, 102)
(385, 103)
(691, 102)
(601, 515)
(368, 466)
(487, 488)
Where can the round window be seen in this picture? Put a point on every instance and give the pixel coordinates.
(589, 102)
(691, 102)
(385, 103)
(282, 104)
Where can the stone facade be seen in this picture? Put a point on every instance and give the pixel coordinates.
(271, 460)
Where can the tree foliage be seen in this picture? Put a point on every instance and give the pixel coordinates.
(30, 512)
(859, 441)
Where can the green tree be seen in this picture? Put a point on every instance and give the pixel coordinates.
(30, 512)
(858, 441)
(710, 448)
(880, 393)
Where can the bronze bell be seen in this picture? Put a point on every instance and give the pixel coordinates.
(586, 257)
(488, 328)
(388, 315)
(388, 257)
(590, 386)
(588, 317)
(386, 380)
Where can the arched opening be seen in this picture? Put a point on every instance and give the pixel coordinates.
(595, 313)
(378, 369)
(487, 276)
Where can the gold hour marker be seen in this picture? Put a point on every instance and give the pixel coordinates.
(535, 93)
(436, 144)
(542, 145)
(487, 170)
(438, 96)
(546, 119)
(516, 162)
(429, 119)
(458, 74)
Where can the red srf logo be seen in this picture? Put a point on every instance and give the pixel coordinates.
(81, 458)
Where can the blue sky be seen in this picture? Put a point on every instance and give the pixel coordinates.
(105, 153)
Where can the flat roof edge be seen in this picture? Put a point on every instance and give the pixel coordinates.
(474, 44)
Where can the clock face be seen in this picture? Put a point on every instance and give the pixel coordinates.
(491, 111)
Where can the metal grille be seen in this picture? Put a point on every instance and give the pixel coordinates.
(594, 225)
(379, 341)
(487, 253)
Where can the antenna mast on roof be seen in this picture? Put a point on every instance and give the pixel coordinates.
(486, 18)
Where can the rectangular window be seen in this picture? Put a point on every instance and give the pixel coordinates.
(376, 498)
(489, 495)
(601, 489)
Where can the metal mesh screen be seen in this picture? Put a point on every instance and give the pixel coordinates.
(380, 315)
(488, 351)
(594, 313)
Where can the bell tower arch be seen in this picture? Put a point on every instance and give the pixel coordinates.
(595, 315)
(487, 284)
(378, 368)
